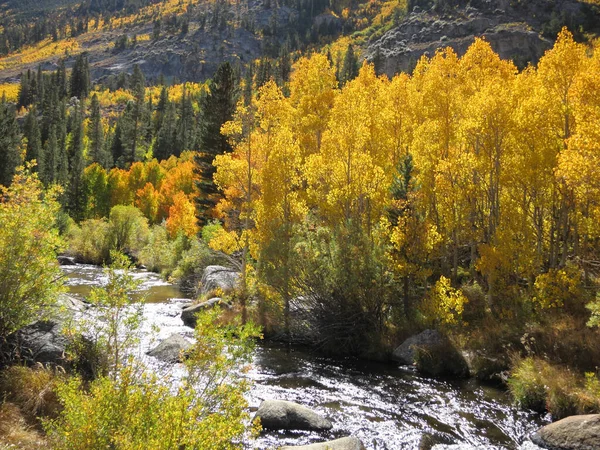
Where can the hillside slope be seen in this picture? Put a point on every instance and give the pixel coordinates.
(187, 41)
(517, 30)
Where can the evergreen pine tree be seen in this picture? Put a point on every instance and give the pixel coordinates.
(167, 134)
(349, 69)
(160, 108)
(138, 85)
(10, 139)
(31, 130)
(97, 153)
(76, 193)
(116, 148)
(217, 108)
(80, 77)
(185, 124)
(50, 165)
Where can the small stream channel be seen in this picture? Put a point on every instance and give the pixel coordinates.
(387, 407)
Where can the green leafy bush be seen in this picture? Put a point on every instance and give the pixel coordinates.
(126, 231)
(29, 273)
(90, 242)
(541, 386)
(132, 411)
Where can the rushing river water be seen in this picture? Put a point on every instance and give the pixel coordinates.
(387, 407)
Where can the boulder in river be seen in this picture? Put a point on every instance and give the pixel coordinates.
(219, 277)
(486, 368)
(432, 353)
(284, 415)
(65, 260)
(41, 342)
(346, 443)
(171, 349)
(571, 433)
(188, 315)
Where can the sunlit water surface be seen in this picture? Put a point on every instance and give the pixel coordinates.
(387, 407)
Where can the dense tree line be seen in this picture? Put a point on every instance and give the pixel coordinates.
(378, 202)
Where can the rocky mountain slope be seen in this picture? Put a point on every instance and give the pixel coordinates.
(517, 30)
(191, 39)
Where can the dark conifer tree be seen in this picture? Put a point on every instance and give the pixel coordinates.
(185, 125)
(76, 192)
(167, 134)
(80, 77)
(349, 69)
(10, 138)
(31, 130)
(160, 108)
(97, 150)
(217, 108)
(50, 165)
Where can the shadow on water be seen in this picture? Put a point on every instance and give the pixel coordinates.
(387, 407)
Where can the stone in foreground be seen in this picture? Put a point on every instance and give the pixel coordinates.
(284, 415)
(188, 315)
(347, 443)
(571, 433)
(171, 349)
(41, 342)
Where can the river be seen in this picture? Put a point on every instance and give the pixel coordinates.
(387, 407)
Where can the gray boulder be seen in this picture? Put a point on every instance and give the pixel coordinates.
(41, 342)
(405, 353)
(284, 415)
(486, 368)
(219, 277)
(571, 433)
(65, 260)
(432, 354)
(347, 443)
(171, 349)
(188, 315)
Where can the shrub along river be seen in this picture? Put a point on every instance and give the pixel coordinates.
(387, 407)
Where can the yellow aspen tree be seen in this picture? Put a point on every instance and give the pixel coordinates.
(278, 209)
(182, 216)
(348, 180)
(237, 174)
(578, 164)
(559, 69)
(436, 146)
(485, 134)
(312, 91)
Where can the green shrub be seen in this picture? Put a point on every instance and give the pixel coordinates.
(29, 240)
(526, 385)
(128, 229)
(90, 241)
(541, 386)
(32, 389)
(158, 254)
(347, 289)
(133, 411)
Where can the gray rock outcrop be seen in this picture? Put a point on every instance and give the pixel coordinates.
(346, 443)
(571, 433)
(285, 415)
(219, 277)
(171, 349)
(188, 314)
(41, 342)
(433, 354)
